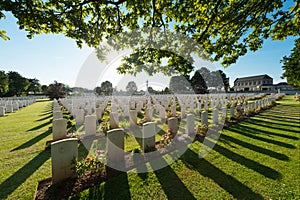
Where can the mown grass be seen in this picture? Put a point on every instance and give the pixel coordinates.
(23, 161)
(255, 159)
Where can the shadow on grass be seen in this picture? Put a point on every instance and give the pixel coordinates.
(44, 118)
(267, 152)
(46, 113)
(262, 169)
(258, 131)
(275, 122)
(39, 126)
(281, 118)
(33, 140)
(227, 182)
(282, 127)
(248, 132)
(20, 176)
(170, 182)
(115, 188)
(42, 100)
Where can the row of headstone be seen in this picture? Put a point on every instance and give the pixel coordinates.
(84, 110)
(10, 106)
(65, 150)
(59, 124)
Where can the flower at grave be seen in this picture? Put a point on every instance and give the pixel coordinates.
(166, 139)
(171, 134)
(202, 129)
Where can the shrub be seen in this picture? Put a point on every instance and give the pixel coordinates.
(202, 129)
(104, 127)
(88, 165)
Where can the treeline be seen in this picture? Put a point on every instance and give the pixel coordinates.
(203, 81)
(14, 84)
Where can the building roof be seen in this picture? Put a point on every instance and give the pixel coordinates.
(266, 85)
(281, 83)
(249, 78)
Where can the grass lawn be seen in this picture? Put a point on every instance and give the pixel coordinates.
(256, 159)
(23, 160)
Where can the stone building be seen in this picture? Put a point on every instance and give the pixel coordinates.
(254, 83)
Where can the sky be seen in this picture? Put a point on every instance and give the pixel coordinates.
(50, 57)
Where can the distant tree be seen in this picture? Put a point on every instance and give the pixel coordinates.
(55, 91)
(107, 88)
(17, 84)
(206, 75)
(291, 66)
(167, 90)
(151, 90)
(219, 81)
(225, 80)
(44, 88)
(198, 83)
(34, 86)
(179, 84)
(4, 83)
(66, 88)
(98, 90)
(131, 87)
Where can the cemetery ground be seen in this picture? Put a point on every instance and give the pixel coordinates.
(255, 159)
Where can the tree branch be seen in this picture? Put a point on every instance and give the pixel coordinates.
(210, 20)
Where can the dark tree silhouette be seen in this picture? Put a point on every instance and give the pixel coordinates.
(55, 91)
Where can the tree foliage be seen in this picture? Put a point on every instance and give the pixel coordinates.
(55, 91)
(291, 66)
(34, 86)
(98, 90)
(4, 83)
(107, 88)
(131, 87)
(225, 29)
(17, 84)
(180, 84)
(201, 82)
(198, 83)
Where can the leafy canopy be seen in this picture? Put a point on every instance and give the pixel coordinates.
(226, 29)
(291, 66)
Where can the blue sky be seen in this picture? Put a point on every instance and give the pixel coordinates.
(55, 57)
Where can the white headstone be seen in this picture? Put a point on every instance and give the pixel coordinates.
(115, 147)
(9, 108)
(114, 120)
(57, 115)
(90, 125)
(215, 116)
(63, 152)
(133, 118)
(59, 129)
(148, 136)
(2, 111)
(15, 106)
(190, 124)
(204, 117)
(173, 110)
(79, 117)
(173, 124)
(99, 113)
